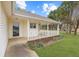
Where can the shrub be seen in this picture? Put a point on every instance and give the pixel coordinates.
(35, 45)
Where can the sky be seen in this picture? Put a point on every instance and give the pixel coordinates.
(39, 7)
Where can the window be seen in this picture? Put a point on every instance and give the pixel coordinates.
(32, 25)
(15, 29)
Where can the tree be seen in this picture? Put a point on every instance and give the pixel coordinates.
(75, 18)
(64, 13)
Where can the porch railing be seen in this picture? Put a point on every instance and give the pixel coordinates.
(48, 33)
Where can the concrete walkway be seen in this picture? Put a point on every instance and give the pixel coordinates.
(16, 48)
(19, 51)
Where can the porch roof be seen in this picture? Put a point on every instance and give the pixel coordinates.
(24, 13)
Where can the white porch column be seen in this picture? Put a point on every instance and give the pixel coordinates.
(47, 26)
(57, 29)
(47, 29)
(3, 32)
(28, 25)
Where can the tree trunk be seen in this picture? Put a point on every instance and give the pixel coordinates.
(70, 29)
(75, 32)
(67, 28)
(70, 18)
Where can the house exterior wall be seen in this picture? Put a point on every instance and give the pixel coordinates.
(33, 31)
(3, 31)
(10, 29)
(22, 28)
(26, 31)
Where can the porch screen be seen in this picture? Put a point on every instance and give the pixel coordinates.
(53, 27)
(32, 25)
(44, 27)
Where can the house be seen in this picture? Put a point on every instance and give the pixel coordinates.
(16, 24)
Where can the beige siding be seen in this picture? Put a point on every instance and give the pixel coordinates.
(23, 28)
(3, 31)
(10, 24)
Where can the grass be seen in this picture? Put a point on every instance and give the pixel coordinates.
(68, 46)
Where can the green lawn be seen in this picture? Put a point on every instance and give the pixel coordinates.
(68, 46)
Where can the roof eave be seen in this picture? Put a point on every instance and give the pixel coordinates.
(35, 18)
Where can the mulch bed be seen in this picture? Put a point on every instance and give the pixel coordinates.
(43, 42)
